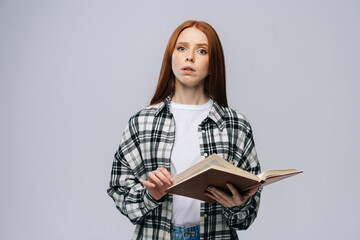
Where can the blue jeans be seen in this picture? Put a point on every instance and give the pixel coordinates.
(185, 233)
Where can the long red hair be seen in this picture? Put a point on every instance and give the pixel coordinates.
(215, 82)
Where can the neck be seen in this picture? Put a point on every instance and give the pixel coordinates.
(190, 96)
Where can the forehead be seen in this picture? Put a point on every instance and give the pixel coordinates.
(192, 35)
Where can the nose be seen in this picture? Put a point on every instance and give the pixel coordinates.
(190, 57)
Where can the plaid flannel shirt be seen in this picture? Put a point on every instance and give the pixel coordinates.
(146, 145)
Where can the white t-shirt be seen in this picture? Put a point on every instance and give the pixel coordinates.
(185, 153)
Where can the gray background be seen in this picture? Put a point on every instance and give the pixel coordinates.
(73, 72)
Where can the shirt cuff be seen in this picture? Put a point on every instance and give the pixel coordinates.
(229, 211)
(150, 202)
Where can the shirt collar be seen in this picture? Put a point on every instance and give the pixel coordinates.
(164, 105)
(216, 114)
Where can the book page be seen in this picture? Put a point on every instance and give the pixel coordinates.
(211, 161)
(277, 173)
(201, 166)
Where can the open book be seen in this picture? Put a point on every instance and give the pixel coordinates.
(215, 171)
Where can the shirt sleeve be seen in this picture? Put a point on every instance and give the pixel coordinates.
(241, 217)
(130, 196)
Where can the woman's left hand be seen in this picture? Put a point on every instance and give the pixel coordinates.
(227, 200)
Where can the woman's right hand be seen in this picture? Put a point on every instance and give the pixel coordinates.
(158, 182)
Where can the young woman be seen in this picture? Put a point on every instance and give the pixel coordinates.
(188, 119)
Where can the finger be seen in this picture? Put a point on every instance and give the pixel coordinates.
(219, 200)
(245, 196)
(210, 196)
(233, 190)
(153, 178)
(221, 196)
(217, 192)
(251, 192)
(254, 190)
(153, 191)
(167, 174)
(161, 176)
(148, 184)
(169, 178)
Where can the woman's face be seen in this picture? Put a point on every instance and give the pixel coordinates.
(190, 59)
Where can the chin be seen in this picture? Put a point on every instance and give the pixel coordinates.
(192, 84)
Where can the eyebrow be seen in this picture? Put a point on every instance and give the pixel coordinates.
(198, 44)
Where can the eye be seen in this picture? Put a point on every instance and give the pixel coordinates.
(202, 51)
(181, 48)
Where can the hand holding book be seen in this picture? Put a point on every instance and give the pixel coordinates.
(236, 198)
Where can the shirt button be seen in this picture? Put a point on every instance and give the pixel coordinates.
(205, 215)
(205, 154)
(203, 131)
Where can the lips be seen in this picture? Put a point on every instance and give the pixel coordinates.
(188, 69)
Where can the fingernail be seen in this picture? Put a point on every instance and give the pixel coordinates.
(209, 189)
(169, 182)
